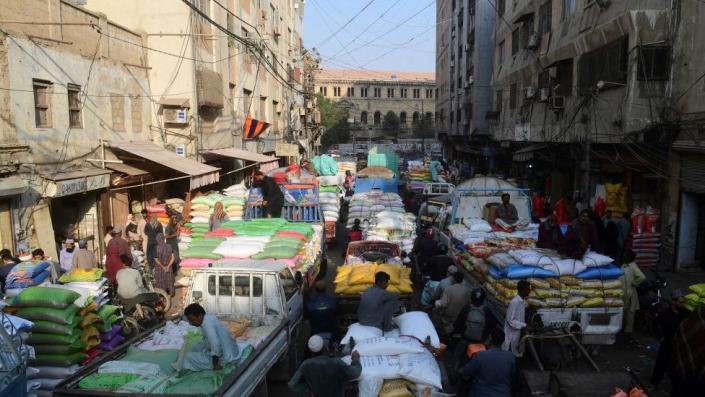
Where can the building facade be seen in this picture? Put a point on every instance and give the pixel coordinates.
(370, 95)
(464, 67)
(214, 63)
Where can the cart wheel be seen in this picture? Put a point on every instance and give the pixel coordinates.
(165, 297)
(149, 319)
(130, 327)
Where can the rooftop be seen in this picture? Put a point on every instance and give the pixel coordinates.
(375, 75)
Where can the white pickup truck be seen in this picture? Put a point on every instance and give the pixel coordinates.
(269, 295)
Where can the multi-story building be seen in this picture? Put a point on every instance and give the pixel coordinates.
(464, 68)
(213, 63)
(370, 95)
(70, 85)
(595, 92)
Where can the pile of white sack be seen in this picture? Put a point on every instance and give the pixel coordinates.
(368, 204)
(387, 356)
(175, 204)
(395, 227)
(239, 190)
(329, 197)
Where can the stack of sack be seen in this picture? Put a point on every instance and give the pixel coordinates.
(390, 359)
(175, 204)
(159, 210)
(238, 191)
(696, 298)
(202, 207)
(63, 334)
(395, 227)
(354, 279)
(109, 327)
(419, 175)
(82, 275)
(280, 247)
(27, 274)
(368, 204)
(329, 198)
(201, 252)
(325, 165)
(556, 282)
(644, 238)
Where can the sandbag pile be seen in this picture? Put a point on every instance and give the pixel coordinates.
(395, 227)
(27, 274)
(696, 298)
(356, 278)
(329, 199)
(557, 282)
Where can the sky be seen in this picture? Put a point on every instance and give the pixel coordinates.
(396, 35)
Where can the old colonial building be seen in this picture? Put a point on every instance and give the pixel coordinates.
(369, 95)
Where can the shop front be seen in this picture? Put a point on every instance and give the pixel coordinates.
(691, 230)
(10, 189)
(237, 163)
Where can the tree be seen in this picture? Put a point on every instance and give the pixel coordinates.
(335, 120)
(391, 124)
(423, 128)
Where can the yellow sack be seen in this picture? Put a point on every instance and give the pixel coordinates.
(395, 388)
(614, 302)
(362, 274)
(613, 293)
(586, 292)
(570, 280)
(89, 319)
(538, 283)
(394, 272)
(88, 309)
(342, 275)
(406, 273)
(507, 283)
(549, 293)
(593, 302)
(405, 286)
(341, 288)
(574, 301)
(357, 289)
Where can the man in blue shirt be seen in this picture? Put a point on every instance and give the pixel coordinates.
(322, 310)
(493, 370)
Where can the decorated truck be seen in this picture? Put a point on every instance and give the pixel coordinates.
(584, 293)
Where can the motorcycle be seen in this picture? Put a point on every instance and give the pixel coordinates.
(651, 301)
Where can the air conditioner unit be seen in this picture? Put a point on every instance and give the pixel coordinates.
(533, 42)
(175, 115)
(557, 102)
(543, 95)
(529, 92)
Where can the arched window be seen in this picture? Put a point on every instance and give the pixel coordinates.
(363, 117)
(378, 118)
(402, 118)
(429, 116)
(415, 117)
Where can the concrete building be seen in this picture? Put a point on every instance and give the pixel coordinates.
(213, 63)
(602, 92)
(464, 69)
(369, 95)
(69, 85)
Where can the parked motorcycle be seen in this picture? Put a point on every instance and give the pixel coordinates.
(651, 301)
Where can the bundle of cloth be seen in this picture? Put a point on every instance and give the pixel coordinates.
(368, 204)
(592, 281)
(64, 331)
(395, 227)
(355, 278)
(329, 199)
(27, 274)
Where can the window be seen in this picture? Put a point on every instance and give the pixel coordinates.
(136, 114)
(544, 80)
(515, 41)
(417, 93)
(403, 93)
(402, 118)
(452, 119)
(74, 96)
(460, 82)
(378, 118)
(429, 93)
(117, 109)
(564, 78)
(568, 8)
(513, 96)
(415, 118)
(242, 286)
(458, 115)
(653, 63)
(289, 284)
(460, 52)
(378, 92)
(42, 103)
(390, 92)
(351, 91)
(336, 91)
(608, 63)
(247, 100)
(527, 30)
(545, 18)
(498, 101)
(323, 91)
(363, 92)
(500, 53)
(363, 117)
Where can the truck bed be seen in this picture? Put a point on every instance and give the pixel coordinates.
(241, 382)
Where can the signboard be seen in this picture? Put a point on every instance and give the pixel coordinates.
(286, 149)
(77, 185)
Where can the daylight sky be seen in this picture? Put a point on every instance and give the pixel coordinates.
(387, 35)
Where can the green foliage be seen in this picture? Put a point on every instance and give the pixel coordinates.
(334, 118)
(391, 124)
(424, 128)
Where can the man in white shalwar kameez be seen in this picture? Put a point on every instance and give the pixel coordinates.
(515, 322)
(218, 347)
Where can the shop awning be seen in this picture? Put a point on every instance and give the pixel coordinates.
(12, 186)
(84, 180)
(527, 153)
(240, 154)
(126, 169)
(201, 174)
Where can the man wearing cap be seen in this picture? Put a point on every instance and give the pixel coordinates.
(667, 323)
(321, 311)
(117, 247)
(66, 255)
(83, 258)
(445, 283)
(322, 375)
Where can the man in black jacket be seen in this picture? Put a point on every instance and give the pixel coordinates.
(272, 196)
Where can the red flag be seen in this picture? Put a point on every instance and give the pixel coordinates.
(254, 128)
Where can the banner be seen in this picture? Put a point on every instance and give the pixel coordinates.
(254, 128)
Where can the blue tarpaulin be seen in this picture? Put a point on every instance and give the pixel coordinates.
(363, 185)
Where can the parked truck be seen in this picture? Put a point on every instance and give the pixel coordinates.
(269, 295)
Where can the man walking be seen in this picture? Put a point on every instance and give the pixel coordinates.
(514, 323)
(455, 299)
(492, 370)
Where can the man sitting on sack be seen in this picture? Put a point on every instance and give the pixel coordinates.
(507, 215)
